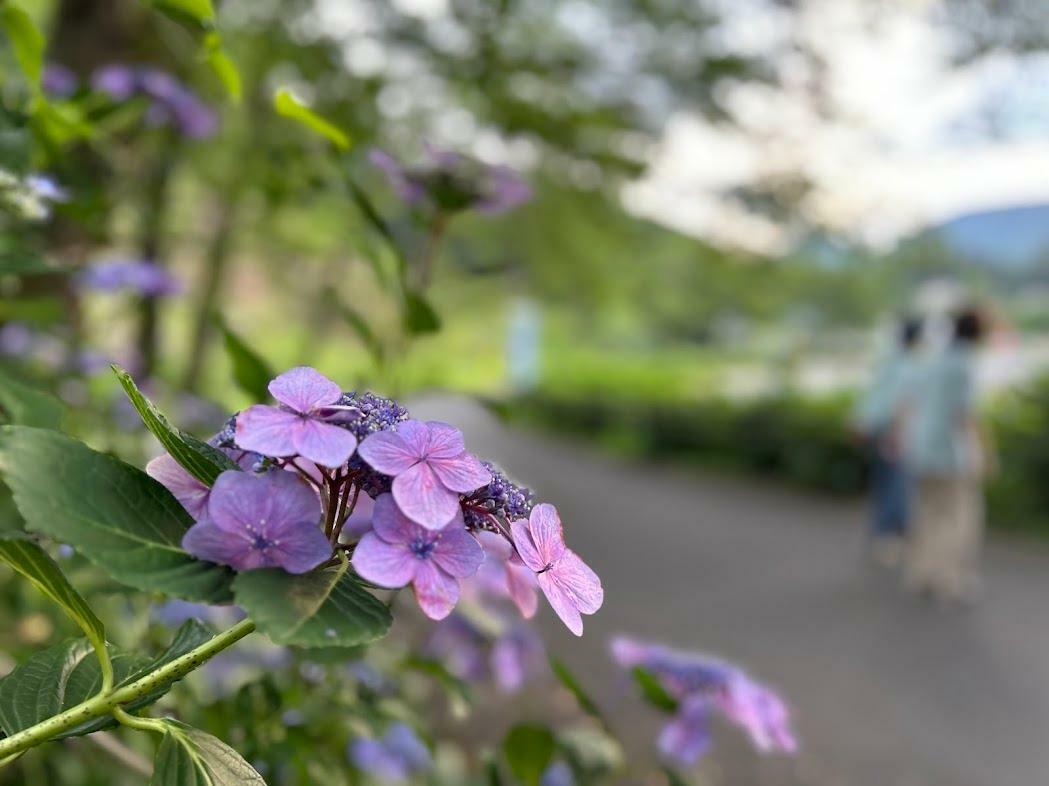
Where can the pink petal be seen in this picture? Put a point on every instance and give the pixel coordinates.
(304, 389)
(385, 564)
(445, 441)
(525, 546)
(423, 499)
(520, 583)
(463, 473)
(561, 603)
(435, 591)
(243, 502)
(578, 582)
(190, 492)
(544, 525)
(391, 524)
(323, 443)
(456, 552)
(267, 430)
(416, 437)
(387, 452)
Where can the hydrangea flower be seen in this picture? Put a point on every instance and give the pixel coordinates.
(139, 276)
(300, 427)
(504, 575)
(471, 650)
(501, 498)
(703, 685)
(58, 80)
(430, 469)
(399, 551)
(260, 521)
(171, 102)
(450, 182)
(569, 584)
(398, 755)
(191, 493)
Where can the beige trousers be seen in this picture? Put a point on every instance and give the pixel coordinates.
(946, 535)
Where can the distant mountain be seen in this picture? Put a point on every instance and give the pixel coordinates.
(1016, 238)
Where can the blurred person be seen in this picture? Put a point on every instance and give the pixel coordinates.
(878, 418)
(949, 455)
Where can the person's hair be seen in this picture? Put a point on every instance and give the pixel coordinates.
(910, 331)
(969, 326)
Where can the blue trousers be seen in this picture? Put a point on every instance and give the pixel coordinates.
(891, 494)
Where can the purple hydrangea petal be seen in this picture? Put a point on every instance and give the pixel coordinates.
(206, 541)
(267, 430)
(579, 582)
(456, 551)
(119, 81)
(59, 80)
(521, 584)
(463, 473)
(561, 603)
(304, 389)
(444, 441)
(323, 443)
(416, 437)
(544, 527)
(386, 564)
(190, 492)
(386, 452)
(402, 741)
(266, 504)
(422, 498)
(687, 737)
(298, 547)
(391, 524)
(435, 591)
(506, 190)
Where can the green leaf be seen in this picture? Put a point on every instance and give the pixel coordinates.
(457, 689)
(66, 674)
(323, 608)
(26, 406)
(220, 63)
(112, 513)
(43, 572)
(653, 690)
(419, 316)
(528, 750)
(374, 218)
(26, 40)
(17, 262)
(195, 13)
(288, 106)
(569, 681)
(198, 458)
(251, 373)
(673, 778)
(190, 757)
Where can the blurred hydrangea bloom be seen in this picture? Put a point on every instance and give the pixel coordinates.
(398, 755)
(304, 495)
(18, 340)
(510, 654)
(129, 275)
(702, 685)
(171, 103)
(557, 774)
(450, 182)
(59, 81)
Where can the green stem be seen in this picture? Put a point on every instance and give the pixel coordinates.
(106, 703)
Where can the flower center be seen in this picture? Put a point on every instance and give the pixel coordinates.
(261, 543)
(421, 547)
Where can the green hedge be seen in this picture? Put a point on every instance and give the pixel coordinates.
(799, 439)
(802, 440)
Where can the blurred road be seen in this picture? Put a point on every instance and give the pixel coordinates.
(887, 690)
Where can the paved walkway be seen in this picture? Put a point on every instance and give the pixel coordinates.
(887, 690)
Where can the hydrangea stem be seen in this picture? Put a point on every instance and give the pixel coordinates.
(105, 703)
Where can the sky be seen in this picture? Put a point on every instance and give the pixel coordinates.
(910, 142)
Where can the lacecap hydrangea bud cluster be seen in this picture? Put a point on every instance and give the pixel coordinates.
(325, 474)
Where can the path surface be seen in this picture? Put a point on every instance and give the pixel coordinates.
(887, 690)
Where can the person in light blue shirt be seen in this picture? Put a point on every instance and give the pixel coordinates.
(949, 455)
(878, 417)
